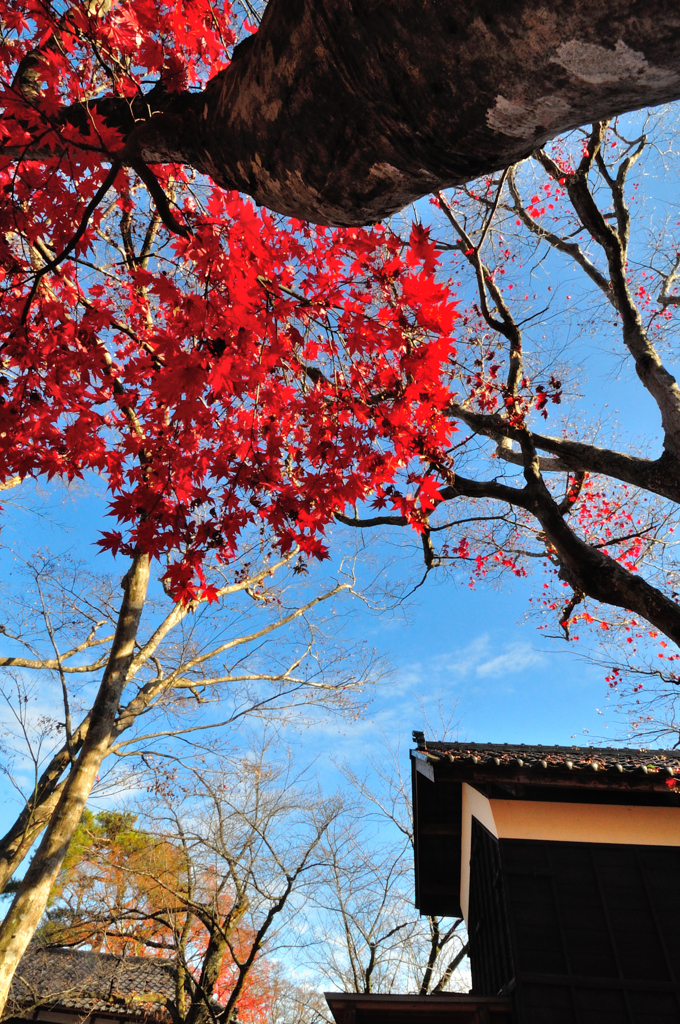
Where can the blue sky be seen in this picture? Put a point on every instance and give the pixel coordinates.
(449, 650)
(450, 653)
(469, 657)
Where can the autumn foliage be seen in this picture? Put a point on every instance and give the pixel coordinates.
(223, 369)
(258, 371)
(126, 892)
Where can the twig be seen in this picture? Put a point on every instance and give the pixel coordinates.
(82, 228)
(159, 197)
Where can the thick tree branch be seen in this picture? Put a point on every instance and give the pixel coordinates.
(27, 908)
(344, 115)
(584, 567)
(7, 485)
(660, 476)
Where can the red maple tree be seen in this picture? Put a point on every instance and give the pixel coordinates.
(220, 368)
(243, 373)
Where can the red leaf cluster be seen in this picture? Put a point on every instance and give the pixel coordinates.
(261, 371)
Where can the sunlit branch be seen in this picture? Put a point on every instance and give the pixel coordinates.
(265, 631)
(55, 664)
(651, 371)
(180, 610)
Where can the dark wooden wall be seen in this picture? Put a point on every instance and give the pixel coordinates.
(594, 929)
(436, 817)
(490, 945)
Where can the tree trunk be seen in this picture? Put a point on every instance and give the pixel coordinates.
(21, 836)
(29, 904)
(343, 112)
(199, 1011)
(38, 809)
(218, 943)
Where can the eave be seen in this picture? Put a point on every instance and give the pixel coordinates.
(444, 1008)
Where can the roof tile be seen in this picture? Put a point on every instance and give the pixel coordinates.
(84, 981)
(545, 759)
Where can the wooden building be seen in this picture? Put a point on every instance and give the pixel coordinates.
(565, 863)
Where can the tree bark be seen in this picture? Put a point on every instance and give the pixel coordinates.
(29, 904)
(343, 112)
(19, 839)
(199, 1011)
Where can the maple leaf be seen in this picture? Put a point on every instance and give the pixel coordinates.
(429, 494)
(422, 249)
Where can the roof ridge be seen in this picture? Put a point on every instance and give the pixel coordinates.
(547, 748)
(120, 957)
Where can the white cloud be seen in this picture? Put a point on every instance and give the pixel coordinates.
(514, 658)
(483, 659)
(465, 660)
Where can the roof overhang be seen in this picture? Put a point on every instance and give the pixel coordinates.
(444, 1008)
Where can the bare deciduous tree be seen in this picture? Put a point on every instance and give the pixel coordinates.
(185, 669)
(213, 874)
(586, 502)
(373, 939)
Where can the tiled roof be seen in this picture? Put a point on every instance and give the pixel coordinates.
(84, 981)
(614, 760)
